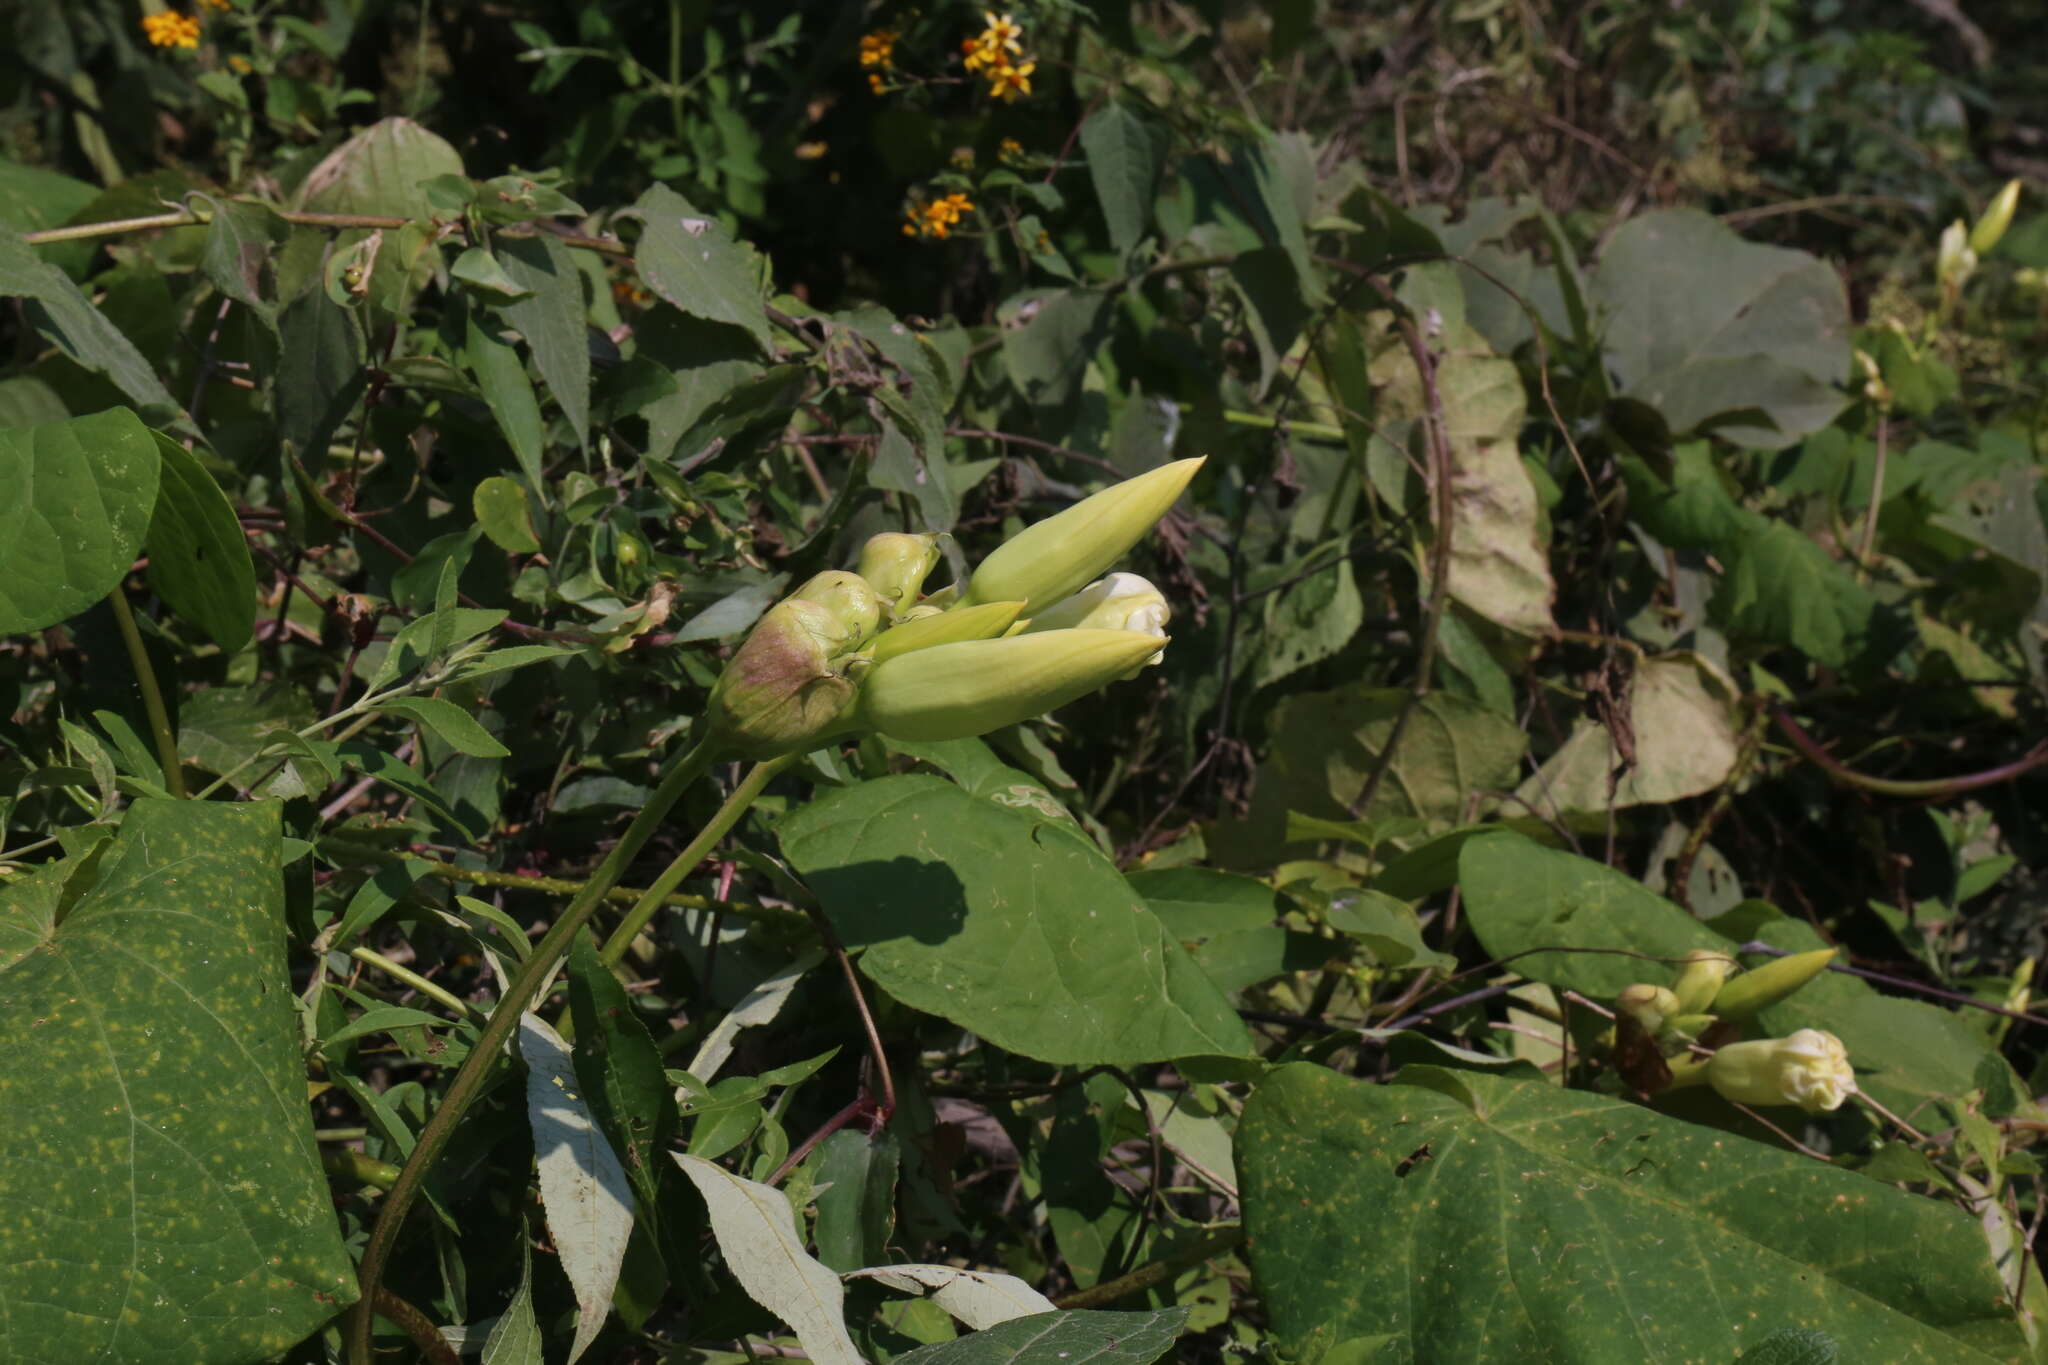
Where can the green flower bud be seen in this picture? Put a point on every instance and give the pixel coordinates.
(851, 601)
(984, 622)
(1699, 979)
(784, 691)
(1048, 560)
(1122, 601)
(895, 565)
(1650, 1006)
(1685, 1029)
(954, 691)
(1991, 227)
(1809, 1069)
(1762, 987)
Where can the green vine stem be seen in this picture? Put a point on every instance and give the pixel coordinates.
(671, 876)
(519, 993)
(152, 698)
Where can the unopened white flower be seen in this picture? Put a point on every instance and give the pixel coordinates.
(1121, 601)
(1809, 1069)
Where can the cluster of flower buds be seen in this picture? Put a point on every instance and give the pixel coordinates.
(1036, 626)
(1956, 259)
(1810, 1068)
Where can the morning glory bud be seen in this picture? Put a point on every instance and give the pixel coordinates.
(851, 601)
(784, 691)
(1699, 979)
(1953, 259)
(1650, 1006)
(1991, 227)
(954, 691)
(922, 631)
(1050, 559)
(1809, 1069)
(895, 565)
(1762, 987)
(1122, 601)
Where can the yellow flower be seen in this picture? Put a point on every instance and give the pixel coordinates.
(937, 218)
(876, 83)
(171, 29)
(810, 151)
(1002, 32)
(1010, 149)
(1007, 82)
(878, 49)
(239, 64)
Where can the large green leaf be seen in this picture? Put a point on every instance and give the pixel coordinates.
(78, 503)
(1783, 588)
(1522, 896)
(689, 259)
(1682, 721)
(1702, 324)
(157, 1151)
(1006, 923)
(198, 558)
(1124, 158)
(67, 319)
(1455, 1216)
(379, 172)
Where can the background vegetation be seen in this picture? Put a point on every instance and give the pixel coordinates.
(1622, 535)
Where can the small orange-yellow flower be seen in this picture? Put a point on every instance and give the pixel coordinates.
(1006, 82)
(168, 28)
(878, 49)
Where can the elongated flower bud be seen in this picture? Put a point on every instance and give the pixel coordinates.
(1048, 560)
(895, 565)
(783, 691)
(955, 691)
(851, 601)
(984, 622)
(1762, 987)
(1809, 1068)
(1699, 979)
(1954, 261)
(1122, 601)
(1991, 227)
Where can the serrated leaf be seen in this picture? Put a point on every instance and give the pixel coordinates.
(1534, 1223)
(588, 1199)
(156, 1123)
(1123, 163)
(620, 1069)
(381, 172)
(1006, 923)
(81, 494)
(689, 259)
(550, 317)
(449, 723)
(501, 375)
(198, 557)
(856, 1180)
(238, 245)
(1069, 1338)
(979, 1298)
(1784, 589)
(758, 1237)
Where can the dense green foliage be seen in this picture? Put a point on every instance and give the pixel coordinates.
(1623, 537)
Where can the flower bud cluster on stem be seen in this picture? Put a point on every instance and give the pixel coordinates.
(1036, 626)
